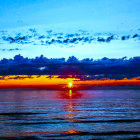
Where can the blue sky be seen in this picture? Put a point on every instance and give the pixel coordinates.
(92, 14)
(115, 16)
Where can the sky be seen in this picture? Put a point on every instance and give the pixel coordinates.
(71, 15)
(89, 14)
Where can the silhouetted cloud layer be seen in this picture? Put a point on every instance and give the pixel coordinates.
(72, 66)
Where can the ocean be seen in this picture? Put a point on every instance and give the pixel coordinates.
(55, 114)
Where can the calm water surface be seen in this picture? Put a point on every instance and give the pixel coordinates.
(85, 114)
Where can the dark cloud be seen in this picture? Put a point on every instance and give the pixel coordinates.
(125, 37)
(16, 49)
(42, 65)
(60, 38)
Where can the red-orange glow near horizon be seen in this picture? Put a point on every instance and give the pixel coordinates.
(57, 82)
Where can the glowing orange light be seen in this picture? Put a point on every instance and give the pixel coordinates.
(70, 84)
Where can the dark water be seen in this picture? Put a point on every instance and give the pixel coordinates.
(87, 114)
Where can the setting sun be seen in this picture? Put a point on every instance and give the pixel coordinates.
(70, 84)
